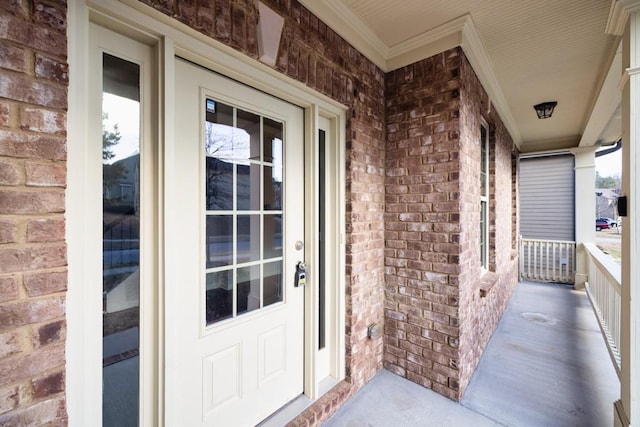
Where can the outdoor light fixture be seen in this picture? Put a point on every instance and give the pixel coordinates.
(545, 109)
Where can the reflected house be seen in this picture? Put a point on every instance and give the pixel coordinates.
(122, 184)
(121, 229)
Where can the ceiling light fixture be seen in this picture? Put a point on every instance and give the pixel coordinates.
(545, 109)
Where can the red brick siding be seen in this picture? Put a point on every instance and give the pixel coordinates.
(479, 314)
(411, 179)
(33, 279)
(424, 234)
(436, 323)
(315, 55)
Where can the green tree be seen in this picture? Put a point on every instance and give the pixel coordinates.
(113, 173)
(109, 139)
(610, 182)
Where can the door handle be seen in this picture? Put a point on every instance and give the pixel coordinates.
(301, 274)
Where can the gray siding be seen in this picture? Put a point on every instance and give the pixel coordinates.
(547, 193)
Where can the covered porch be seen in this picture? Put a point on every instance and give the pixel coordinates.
(546, 364)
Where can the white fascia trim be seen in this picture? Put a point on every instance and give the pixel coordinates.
(343, 21)
(608, 100)
(479, 59)
(619, 14)
(439, 39)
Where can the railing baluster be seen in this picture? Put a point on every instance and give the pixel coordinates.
(604, 291)
(547, 260)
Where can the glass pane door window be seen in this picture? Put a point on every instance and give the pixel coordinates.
(244, 211)
(121, 240)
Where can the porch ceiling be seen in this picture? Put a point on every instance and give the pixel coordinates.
(524, 52)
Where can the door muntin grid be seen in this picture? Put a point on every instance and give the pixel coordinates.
(244, 154)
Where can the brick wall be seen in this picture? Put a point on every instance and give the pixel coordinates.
(483, 296)
(436, 322)
(423, 225)
(315, 55)
(33, 279)
(411, 171)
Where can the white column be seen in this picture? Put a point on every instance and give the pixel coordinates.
(631, 236)
(585, 209)
(626, 14)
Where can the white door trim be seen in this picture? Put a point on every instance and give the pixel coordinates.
(169, 38)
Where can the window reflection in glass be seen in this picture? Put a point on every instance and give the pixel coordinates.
(248, 239)
(219, 297)
(219, 240)
(243, 202)
(248, 289)
(250, 124)
(272, 283)
(121, 240)
(249, 187)
(272, 236)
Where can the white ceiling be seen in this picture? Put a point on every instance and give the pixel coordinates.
(524, 52)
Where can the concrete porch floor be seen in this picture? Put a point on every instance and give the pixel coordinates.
(545, 365)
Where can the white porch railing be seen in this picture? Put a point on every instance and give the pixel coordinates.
(547, 260)
(604, 291)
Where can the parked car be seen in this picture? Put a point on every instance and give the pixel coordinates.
(610, 221)
(601, 225)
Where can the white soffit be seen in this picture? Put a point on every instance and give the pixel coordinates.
(458, 32)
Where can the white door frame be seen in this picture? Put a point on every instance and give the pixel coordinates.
(169, 38)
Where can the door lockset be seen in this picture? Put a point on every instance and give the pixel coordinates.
(301, 274)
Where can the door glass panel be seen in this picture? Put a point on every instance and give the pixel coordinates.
(219, 297)
(272, 236)
(248, 289)
(219, 184)
(121, 240)
(250, 124)
(249, 187)
(273, 165)
(272, 291)
(244, 219)
(248, 238)
(219, 240)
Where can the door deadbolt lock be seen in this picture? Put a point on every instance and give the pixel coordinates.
(301, 274)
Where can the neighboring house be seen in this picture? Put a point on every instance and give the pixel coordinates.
(607, 203)
(395, 181)
(547, 197)
(547, 213)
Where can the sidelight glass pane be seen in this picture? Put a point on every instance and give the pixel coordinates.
(272, 292)
(322, 246)
(219, 297)
(272, 236)
(248, 289)
(248, 238)
(121, 240)
(219, 240)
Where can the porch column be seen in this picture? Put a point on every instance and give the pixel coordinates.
(585, 208)
(624, 19)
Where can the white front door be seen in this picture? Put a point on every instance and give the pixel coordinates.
(233, 317)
